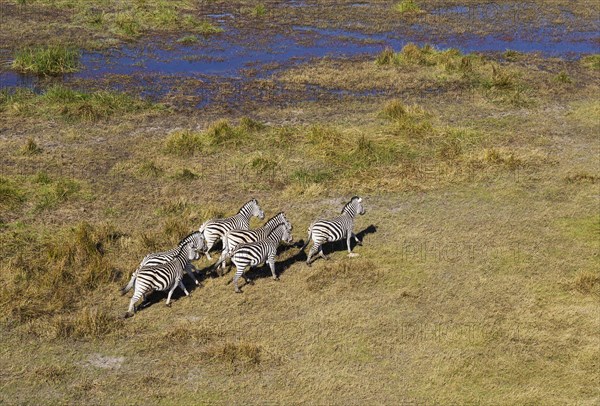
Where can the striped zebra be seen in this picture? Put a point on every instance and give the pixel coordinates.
(213, 230)
(233, 238)
(322, 231)
(196, 238)
(166, 276)
(258, 252)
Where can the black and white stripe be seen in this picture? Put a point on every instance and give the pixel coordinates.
(196, 239)
(161, 277)
(233, 238)
(258, 252)
(213, 230)
(322, 231)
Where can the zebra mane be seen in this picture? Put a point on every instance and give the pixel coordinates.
(275, 229)
(246, 204)
(185, 239)
(349, 203)
(275, 216)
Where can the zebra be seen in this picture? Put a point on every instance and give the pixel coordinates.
(233, 238)
(196, 238)
(322, 231)
(258, 252)
(214, 229)
(166, 276)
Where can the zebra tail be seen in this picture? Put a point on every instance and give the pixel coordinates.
(307, 240)
(220, 261)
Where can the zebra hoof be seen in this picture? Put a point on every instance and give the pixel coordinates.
(308, 264)
(127, 315)
(359, 243)
(123, 292)
(250, 282)
(276, 278)
(168, 304)
(238, 291)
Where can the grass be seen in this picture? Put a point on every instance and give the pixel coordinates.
(71, 105)
(187, 142)
(30, 147)
(477, 281)
(591, 61)
(260, 10)
(47, 61)
(407, 6)
(188, 39)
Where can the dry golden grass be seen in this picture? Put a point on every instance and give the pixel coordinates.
(477, 282)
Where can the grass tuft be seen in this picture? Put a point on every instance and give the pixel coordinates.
(206, 29)
(72, 105)
(186, 175)
(591, 61)
(563, 77)
(30, 148)
(149, 168)
(588, 282)
(407, 6)
(188, 39)
(260, 10)
(237, 353)
(47, 61)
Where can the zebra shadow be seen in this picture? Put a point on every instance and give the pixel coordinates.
(301, 256)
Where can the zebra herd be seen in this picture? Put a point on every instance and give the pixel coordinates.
(245, 248)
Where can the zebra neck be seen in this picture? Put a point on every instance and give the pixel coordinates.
(244, 217)
(270, 227)
(276, 234)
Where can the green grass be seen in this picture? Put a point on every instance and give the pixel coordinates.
(187, 142)
(260, 10)
(188, 39)
(407, 6)
(47, 61)
(591, 61)
(71, 105)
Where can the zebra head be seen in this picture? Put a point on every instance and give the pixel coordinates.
(354, 207)
(191, 250)
(255, 209)
(287, 233)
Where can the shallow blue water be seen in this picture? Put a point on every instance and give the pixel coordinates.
(223, 57)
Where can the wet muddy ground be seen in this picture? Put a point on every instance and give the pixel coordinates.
(241, 64)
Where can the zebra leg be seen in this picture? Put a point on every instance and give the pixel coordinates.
(132, 302)
(209, 245)
(272, 266)
(238, 273)
(191, 274)
(322, 254)
(348, 242)
(182, 286)
(170, 293)
(313, 250)
(220, 269)
(358, 242)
